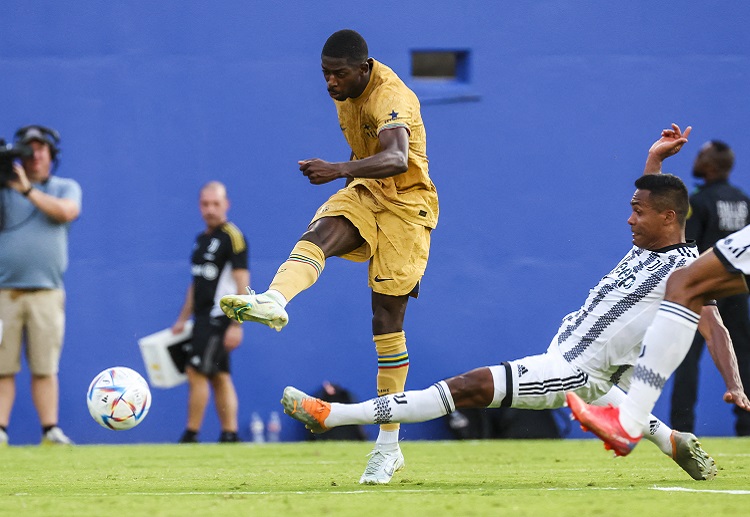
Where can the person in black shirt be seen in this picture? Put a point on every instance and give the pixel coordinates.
(219, 267)
(717, 209)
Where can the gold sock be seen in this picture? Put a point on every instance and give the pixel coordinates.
(300, 271)
(393, 365)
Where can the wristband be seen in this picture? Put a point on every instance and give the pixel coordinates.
(27, 192)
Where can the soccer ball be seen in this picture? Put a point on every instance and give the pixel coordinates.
(118, 398)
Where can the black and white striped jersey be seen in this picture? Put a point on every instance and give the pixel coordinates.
(603, 338)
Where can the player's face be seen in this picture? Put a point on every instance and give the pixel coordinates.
(646, 222)
(214, 206)
(343, 80)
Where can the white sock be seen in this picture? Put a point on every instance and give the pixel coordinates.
(656, 431)
(387, 437)
(665, 345)
(277, 297)
(410, 406)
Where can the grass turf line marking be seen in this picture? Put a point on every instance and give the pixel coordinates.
(702, 491)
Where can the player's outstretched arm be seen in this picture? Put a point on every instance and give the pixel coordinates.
(670, 143)
(720, 346)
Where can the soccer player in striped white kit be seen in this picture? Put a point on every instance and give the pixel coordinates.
(595, 348)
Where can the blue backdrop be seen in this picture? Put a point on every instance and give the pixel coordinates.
(534, 157)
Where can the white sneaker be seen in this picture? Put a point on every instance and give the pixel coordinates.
(55, 436)
(254, 307)
(3, 438)
(385, 460)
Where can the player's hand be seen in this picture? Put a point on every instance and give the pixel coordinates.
(738, 398)
(320, 171)
(232, 337)
(671, 142)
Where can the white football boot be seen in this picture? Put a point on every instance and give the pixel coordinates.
(254, 307)
(385, 460)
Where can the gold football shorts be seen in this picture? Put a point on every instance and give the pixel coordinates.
(397, 249)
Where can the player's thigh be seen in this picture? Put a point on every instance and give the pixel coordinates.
(541, 382)
(345, 225)
(11, 336)
(400, 259)
(708, 277)
(45, 327)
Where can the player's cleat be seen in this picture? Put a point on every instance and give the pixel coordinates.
(385, 460)
(254, 307)
(604, 422)
(3, 438)
(688, 454)
(55, 436)
(310, 411)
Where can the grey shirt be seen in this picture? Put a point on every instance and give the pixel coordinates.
(33, 247)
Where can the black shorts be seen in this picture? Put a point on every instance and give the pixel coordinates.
(205, 352)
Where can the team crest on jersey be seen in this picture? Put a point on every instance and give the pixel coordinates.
(369, 130)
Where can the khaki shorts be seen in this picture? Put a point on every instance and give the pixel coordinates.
(41, 314)
(397, 250)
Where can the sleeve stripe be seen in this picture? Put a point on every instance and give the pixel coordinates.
(235, 235)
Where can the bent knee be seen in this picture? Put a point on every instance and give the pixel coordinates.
(472, 389)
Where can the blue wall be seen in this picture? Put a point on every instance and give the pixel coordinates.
(534, 176)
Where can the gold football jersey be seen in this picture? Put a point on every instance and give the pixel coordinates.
(388, 103)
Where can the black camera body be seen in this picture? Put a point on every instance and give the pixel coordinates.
(8, 154)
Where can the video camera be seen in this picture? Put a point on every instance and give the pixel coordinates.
(8, 154)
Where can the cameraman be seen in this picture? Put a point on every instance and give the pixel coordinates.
(37, 209)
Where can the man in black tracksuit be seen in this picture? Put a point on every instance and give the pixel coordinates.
(716, 210)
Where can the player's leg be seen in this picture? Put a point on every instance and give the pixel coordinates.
(199, 367)
(683, 447)
(670, 335)
(225, 394)
(198, 396)
(326, 237)
(474, 389)
(226, 401)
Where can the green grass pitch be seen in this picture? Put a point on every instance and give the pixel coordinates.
(494, 477)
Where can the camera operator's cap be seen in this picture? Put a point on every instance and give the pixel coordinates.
(34, 133)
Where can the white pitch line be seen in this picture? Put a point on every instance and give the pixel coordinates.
(683, 489)
(380, 490)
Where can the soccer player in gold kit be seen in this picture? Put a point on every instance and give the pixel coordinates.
(383, 215)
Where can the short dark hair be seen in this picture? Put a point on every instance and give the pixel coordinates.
(723, 156)
(668, 192)
(348, 44)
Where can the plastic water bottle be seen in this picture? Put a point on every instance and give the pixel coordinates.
(256, 428)
(274, 427)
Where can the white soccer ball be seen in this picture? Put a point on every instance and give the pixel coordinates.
(118, 398)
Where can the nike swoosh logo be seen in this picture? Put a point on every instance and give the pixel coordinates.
(378, 279)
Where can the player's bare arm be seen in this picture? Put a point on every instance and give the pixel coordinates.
(720, 346)
(390, 161)
(669, 144)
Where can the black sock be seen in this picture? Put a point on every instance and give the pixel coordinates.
(4, 428)
(46, 428)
